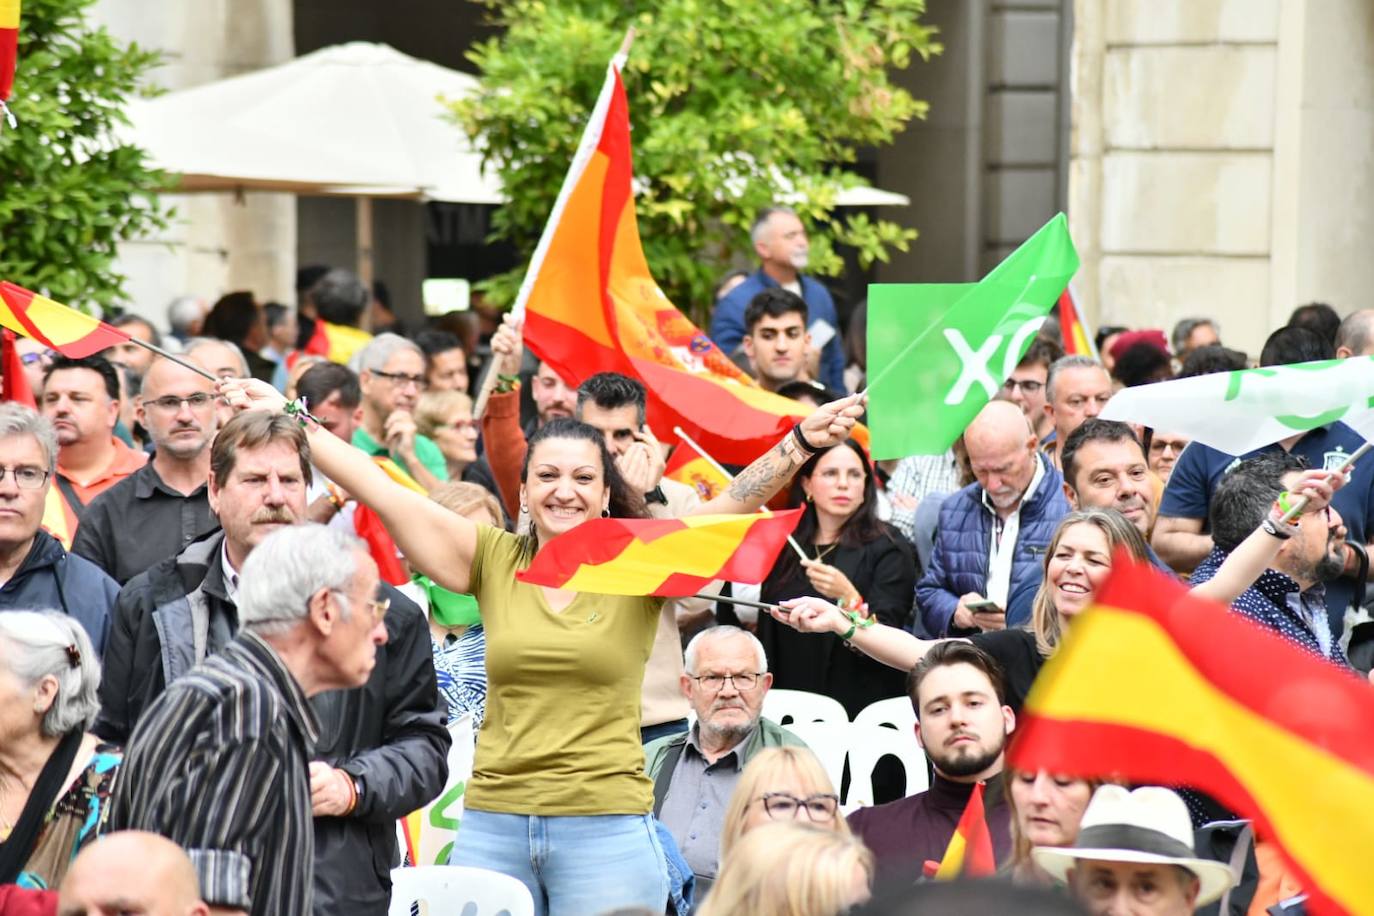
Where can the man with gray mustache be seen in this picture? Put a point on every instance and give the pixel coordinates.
(695, 772)
(382, 749)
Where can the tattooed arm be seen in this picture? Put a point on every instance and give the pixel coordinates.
(756, 484)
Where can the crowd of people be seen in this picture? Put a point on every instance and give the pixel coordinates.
(240, 616)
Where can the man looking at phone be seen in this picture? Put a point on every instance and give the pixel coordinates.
(990, 546)
(615, 404)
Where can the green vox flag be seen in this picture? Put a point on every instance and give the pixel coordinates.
(937, 352)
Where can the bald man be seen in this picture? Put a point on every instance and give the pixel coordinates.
(132, 872)
(1356, 335)
(990, 547)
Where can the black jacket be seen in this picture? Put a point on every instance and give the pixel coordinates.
(389, 733)
(51, 578)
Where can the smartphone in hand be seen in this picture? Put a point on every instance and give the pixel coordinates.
(984, 607)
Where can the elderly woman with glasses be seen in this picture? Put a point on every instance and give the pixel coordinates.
(446, 417)
(55, 778)
(781, 784)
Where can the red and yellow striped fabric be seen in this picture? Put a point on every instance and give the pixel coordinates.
(335, 342)
(686, 466)
(9, 45)
(1078, 340)
(1153, 685)
(59, 326)
(969, 853)
(672, 557)
(591, 305)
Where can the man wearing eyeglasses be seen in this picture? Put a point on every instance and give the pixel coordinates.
(383, 743)
(1026, 386)
(391, 373)
(695, 773)
(35, 570)
(166, 501)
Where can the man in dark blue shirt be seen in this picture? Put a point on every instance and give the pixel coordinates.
(780, 241)
(1181, 536)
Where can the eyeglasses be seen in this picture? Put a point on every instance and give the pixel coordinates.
(784, 806)
(172, 404)
(47, 356)
(400, 379)
(460, 425)
(714, 682)
(378, 607)
(26, 476)
(1028, 386)
(1157, 446)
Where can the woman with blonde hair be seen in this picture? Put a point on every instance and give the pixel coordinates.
(792, 870)
(446, 417)
(1077, 563)
(1046, 810)
(781, 784)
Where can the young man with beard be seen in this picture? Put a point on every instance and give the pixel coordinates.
(963, 724)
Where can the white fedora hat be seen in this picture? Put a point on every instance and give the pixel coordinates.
(1148, 825)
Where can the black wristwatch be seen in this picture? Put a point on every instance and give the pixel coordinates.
(656, 495)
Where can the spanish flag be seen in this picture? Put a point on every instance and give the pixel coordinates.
(671, 556)
(590, 305)
(9, 45)
(335, 342)
(60, 327)
(969, 853)
(1078, 339)
(58, 519)
(1153, 685)
(686, 466)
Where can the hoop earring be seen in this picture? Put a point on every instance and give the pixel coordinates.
(808, 497)
(605, 513)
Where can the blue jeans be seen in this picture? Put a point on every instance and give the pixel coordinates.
(573, 866)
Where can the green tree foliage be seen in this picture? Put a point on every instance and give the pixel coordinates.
(732, 102)
(69, 190)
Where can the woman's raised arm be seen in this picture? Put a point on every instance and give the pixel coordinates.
(439, 543)
(770, 472)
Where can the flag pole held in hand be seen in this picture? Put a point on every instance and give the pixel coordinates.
(692, 444)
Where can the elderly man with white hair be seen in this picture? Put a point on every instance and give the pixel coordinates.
(54, 776)
(234, 735)
(695, 773)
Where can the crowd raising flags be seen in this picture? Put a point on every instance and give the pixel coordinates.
(1139, 691)
(614, 318)
(938, 352)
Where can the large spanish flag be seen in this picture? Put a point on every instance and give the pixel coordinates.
(59, 326)
(590, 305)
(969, 853)
(1153, 685)
(670, 556)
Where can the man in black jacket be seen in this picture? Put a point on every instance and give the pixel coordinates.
(386, 741)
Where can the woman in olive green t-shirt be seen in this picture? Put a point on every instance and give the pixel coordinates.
(558, 797)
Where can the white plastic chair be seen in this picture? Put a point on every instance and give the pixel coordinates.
(867, 744)
(895, 713)
(788, 706)
(829, 741)
(453, 890)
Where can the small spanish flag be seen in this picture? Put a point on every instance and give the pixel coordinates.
(59, 326)
(1078, 338)
(335, 342)
(969, 853)
(686, 466)
(670, 557)
(1153, 685)
(9, 45)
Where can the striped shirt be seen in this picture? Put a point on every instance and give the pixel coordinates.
(219, 764)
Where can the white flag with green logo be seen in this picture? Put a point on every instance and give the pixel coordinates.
(1237, 412)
